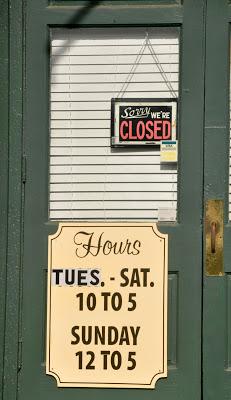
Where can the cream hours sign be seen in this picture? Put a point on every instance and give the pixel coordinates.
(107, 305)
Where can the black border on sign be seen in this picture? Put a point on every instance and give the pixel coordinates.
(139, 100)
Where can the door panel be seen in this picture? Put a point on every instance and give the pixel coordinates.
(185, 253)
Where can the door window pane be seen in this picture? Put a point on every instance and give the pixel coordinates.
(88, 178)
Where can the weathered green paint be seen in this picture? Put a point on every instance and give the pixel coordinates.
(93, 15)
(4, 63)
(14, 214)
(217, 380)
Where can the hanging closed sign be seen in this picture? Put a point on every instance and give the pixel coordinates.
(107, 305)
(143, 121)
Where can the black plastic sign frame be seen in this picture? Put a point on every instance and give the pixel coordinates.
(139, 122)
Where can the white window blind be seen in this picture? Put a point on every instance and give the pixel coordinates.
(89, 67)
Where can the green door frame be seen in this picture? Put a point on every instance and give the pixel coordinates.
(4, 64)
(11, 100)
(217, 300)
(41, 17)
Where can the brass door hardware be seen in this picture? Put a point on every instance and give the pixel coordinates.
(214, 230)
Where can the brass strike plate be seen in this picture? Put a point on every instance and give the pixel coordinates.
(214, 231)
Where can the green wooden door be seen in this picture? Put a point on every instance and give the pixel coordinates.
(185, 248)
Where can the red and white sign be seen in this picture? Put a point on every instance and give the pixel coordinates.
(143, 121)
